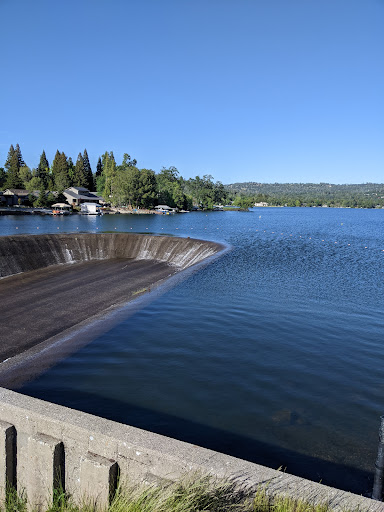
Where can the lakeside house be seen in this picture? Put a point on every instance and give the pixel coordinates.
(77, 195)
(14, 196)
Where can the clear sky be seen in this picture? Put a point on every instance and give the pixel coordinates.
(245, 90)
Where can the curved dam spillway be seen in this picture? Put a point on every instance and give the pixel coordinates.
(52, 283)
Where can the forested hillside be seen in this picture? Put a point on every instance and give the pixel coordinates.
(368, 195)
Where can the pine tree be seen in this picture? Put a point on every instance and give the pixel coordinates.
(42, 170)
(88, 172)
(78, 176)
(99, 168)
(55, 165)
(2, 177)
(13, 179)
(9, 157)
(71, 172)
(100, 178)
(19, 156)
(60, 174)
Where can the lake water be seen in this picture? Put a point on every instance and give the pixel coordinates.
(273, 353)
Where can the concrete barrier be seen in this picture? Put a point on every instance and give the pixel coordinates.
(46, 446)
(22, 253)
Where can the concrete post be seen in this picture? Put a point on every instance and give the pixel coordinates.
(377, 493)
(98, 479)
(47, 473)
(7, 458)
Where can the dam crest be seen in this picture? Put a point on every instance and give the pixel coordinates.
(22, 253)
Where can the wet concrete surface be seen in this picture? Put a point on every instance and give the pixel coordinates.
(40, 304)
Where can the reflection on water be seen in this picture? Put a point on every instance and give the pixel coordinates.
(273, 353)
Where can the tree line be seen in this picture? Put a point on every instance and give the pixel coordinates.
(365, 195)
(121, 184)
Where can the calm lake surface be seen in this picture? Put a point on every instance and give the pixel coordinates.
(273, 353)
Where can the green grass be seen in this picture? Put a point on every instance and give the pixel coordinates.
(194, 493)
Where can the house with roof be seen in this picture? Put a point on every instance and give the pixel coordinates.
(13, 196)
(163, 208)
(77, 195)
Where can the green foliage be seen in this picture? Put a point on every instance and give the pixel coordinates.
(166, 181)
(9, 157)
(368, 195)
(110, 174)
(14, 502)
(41, 199)
(60, 172)
(147, 188)
(244, 202)
(25, 176)
(99, 168)
(79, 178)
(13, 179)
(42, 171)
(2, 177)
(205, 192)
(88, 175)
(193, 493)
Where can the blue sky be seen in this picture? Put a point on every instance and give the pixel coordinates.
(245, 90)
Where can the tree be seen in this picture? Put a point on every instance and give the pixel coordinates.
(99, 168)
(13, 179)
(25, 176)
(9, 157)
(2, 177)
(109, 172)
(34, 183)
(202, 191)
(79, 179)
(128, 162)
(127, 188)
(71, 172)
(166, 180)
(99, 178)
(13, 165)
(244, 202)
(41, 199)
(147, 188)
(88, 174)
(60, 174)
(42, 170)
(19, 156)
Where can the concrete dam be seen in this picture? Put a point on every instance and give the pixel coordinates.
(50, 284)
(22, 253)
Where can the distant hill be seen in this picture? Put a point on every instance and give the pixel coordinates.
(303, 189)
(367, 195)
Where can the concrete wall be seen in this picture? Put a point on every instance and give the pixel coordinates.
(44, 445)
(20, 253)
